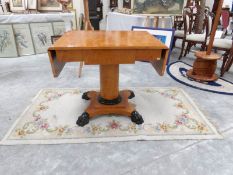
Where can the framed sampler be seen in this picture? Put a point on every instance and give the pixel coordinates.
(7, 41)
(41, 35)
(23, 39)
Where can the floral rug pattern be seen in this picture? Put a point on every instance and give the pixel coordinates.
(168, 114)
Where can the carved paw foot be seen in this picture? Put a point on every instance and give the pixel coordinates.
(85, 96)
(136, 118)
(132, 95)
(83, 119)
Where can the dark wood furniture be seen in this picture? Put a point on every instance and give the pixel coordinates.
(179, 25)
(205, 65)
(201, 38)
(192, 38)
(188, 25)
(99, 9)
(227, 46)
(93, 14)
(228, 62)
(108, 49)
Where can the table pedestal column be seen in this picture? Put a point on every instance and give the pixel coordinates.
(109, 100)
(109, 85)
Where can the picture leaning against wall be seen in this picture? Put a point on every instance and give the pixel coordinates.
(168, 7)
(7, 41)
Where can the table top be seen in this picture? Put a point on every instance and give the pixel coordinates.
(81, 40)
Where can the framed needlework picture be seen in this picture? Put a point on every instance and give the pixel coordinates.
(164, 35)
(41, 35)
(58, 28)
(23, 39)
(7, 41)
(17, 5)
(49, 5)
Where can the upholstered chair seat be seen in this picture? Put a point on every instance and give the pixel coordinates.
(179, 33)
(222, 43)
(196, 37)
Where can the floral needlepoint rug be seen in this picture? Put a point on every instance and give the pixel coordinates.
(168, 113)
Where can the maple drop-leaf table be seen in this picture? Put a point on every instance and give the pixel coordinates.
(108, 49)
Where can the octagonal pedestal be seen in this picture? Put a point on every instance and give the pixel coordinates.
(204, 67)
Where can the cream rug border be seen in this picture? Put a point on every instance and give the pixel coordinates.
(215, 135)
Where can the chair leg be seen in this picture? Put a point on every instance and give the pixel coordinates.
(229, 64)
(203, 46)
(174, 43)
(187, 49)
(80, 69)
(190, 46)
(182, 50)
(223, 67)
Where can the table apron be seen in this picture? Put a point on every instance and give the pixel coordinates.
(108, 56)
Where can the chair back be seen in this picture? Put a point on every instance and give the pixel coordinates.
(209, 18)
(188, 20)
(208, 23)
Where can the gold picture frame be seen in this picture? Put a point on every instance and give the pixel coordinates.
(71, 5)
(49, 5)
(159, 7)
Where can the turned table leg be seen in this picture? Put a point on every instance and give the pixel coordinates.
(109, 100)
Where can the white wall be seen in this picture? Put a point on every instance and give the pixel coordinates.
(210, 3)
(227, 2)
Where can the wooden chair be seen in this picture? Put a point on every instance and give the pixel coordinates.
(226, 45)
(188, 25)
(178, 25)
(228, 63)
(192, 38)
